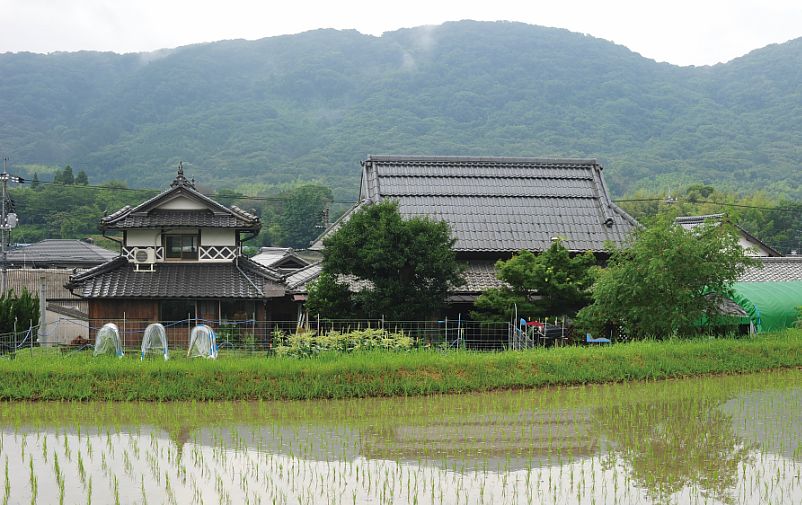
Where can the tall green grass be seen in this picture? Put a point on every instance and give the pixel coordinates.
(45, 376)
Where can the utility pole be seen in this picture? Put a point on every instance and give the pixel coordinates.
(8, 221)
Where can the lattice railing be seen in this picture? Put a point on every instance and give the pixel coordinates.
(128, 252)
(217, 253)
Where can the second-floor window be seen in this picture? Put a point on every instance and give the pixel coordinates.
(181, 247)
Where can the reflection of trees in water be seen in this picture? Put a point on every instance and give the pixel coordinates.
(677, 444)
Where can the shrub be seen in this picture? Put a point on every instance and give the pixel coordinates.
(306, 344)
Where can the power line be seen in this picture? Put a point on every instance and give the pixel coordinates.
(157, 191)
(710, 202)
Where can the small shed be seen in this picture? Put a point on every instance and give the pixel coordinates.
(771, 293)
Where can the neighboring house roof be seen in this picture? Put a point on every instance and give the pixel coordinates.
(499, 204)
(297, 281)
(774, 270)
(59, 252)
(211, 214)
(283, 258)
(119, 279)
(479, 276)
(691, 222)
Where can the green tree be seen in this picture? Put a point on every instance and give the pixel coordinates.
(549, 284)
(81, 179)
(302, 217)
(330, 297)
(406, 266)
(67, 178)
(657, 287)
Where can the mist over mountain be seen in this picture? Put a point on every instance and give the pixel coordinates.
(311, 106)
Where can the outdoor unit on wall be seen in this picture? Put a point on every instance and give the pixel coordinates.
(144, 259)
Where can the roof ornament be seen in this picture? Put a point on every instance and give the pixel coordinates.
(180, 180)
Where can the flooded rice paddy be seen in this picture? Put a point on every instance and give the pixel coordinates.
(728, 440)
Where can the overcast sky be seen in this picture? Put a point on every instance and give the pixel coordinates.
(683, 32)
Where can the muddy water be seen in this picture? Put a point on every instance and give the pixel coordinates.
(714, 440)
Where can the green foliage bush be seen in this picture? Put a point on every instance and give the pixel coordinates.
(658, 286)
(548, 284)
(20, 311)
(404, 268)
(306, 344)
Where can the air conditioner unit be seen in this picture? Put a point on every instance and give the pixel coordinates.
(144, 256)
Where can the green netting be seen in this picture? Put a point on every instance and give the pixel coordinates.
(770, 305)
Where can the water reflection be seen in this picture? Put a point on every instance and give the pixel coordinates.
(718, 440)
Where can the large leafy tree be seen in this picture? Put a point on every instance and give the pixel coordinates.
(301, 219)
(658, 287)
(552, 283)
(403, 267)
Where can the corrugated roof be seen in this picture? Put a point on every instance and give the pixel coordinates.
(30, 278)
(501, 204)
(118, 279)
(774, 270)
(60, 252)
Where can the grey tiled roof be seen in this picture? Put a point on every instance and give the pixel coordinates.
(118, 279)
(775, 270)
(278, 257)
(191, 218)
(297, 280)
(501, 204)
(479, 276)
(60, 252)
(148, 214)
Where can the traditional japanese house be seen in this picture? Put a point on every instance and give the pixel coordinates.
(181, 260)
(495, 208)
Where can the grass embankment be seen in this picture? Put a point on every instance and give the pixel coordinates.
(81, 377)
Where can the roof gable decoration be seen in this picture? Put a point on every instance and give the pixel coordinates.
(172, 206)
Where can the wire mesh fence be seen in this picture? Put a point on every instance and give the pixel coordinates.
(259, 336)
(13, 342)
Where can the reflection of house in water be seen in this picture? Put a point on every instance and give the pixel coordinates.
(489, 441)
(770, 419)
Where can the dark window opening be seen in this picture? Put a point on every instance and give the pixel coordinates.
(237, 310)
(182, 247)
(176, 310)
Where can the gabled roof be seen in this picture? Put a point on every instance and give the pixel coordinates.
(119, 279)
(479, 275)
(784, 269)
(60, 252)
(283, 258)
(500, 204)
(149, 215)
(691, 222)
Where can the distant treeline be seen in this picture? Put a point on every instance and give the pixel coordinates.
(70, 207)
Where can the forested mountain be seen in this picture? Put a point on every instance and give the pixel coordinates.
(311, 106)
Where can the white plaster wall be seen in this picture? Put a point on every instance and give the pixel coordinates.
(751, 248)
(143, 238)
(181, 203)
(216, 236)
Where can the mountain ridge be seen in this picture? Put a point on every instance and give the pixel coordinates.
(310, 106)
